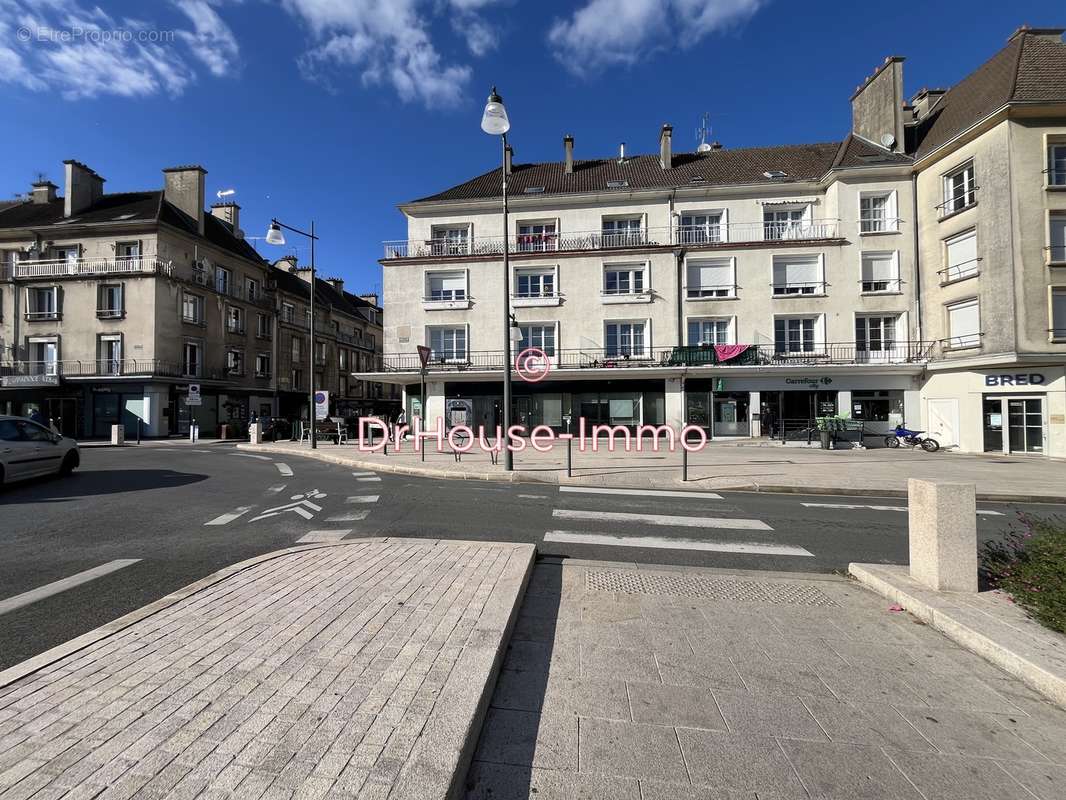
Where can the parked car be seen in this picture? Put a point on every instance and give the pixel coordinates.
(28, 450)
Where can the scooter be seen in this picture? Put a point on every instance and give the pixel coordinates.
(912, 439)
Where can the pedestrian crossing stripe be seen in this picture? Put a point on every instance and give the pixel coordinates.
(669, 543)
(664, 519)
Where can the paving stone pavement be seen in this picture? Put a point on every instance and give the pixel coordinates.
(808, 688)
(321, 672)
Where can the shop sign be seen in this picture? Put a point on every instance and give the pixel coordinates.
(1016, 379)
(29, 380)
(814, 382)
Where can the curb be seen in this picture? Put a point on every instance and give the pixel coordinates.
(1050, 685)
(554, 477)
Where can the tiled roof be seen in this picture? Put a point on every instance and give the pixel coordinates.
(1030, 68)
(714, 168)
(325, 292)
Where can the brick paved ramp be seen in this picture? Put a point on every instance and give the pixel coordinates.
(360, 669)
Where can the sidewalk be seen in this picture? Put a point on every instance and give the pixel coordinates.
(633, 683)
(749, 468)
(356, 669)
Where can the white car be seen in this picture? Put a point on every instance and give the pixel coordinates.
(28, 450)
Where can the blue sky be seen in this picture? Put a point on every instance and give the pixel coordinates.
(340, 109)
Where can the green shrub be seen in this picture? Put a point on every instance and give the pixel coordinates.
(1029, 564)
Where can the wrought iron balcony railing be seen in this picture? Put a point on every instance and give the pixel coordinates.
(108, 367)
(91, 267)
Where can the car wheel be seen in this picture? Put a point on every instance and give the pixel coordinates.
(70, 463)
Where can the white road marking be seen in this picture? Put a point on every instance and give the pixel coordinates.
(323, 536)
(664, 543)
(639, 492)
(363, 474)
(284, 469)
(533, 496)
(225, 519)
(664, 519)
(354, 516)
(41, 592)
(279, 488)
(252, 455)
(852, 506)
(369, 480)
(363, 498)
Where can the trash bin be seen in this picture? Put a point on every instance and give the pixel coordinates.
(223, 431)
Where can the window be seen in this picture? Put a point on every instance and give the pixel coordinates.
(446, 286)
(320, 355)
(109, 355)
(795, 334)
(109, 301)
(448, 344)
(880, 272)
(713, 277)
(1056, 165)
(964, 324)
(235, 362)
(450, 240)
(874, 334)
(288, 312)
(624, 339)
(1057, 250)
(68, 253)
(42, 302)
(262, 326)
(709, 331)
(192, 361)
(342, 359)
(877, 212)
(794, 274)
(192, 308)
(1058, 312)
(370, 341)
(222, 280)
(534, 283)
(699, 228)
(959, 190)
(125, 250)
(262, 365)
(297, 378)
(623, 279)
(251, 288)
(537, 236)
(296, 348)
(622, 232)
(44, 356)
(235, 319)
(784, 223)
(960, 253)
(540, 336)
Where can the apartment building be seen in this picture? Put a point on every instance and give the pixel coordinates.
(750, 290)
(112, 305)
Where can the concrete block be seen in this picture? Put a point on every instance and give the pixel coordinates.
(118, 434)
(943, 534)
(255, 433)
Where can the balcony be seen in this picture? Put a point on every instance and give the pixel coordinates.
(709, 236)
(755, 355)
(101, 368)
(91, 267)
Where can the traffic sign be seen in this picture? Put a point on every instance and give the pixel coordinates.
(423, 354)
(194, 398)
(321, 405)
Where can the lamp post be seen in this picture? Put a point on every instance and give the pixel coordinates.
(276, 237)
(494, 122)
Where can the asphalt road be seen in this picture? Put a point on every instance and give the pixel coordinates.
(183, 513)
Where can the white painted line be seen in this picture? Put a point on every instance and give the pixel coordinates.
(663, 543)
(852, 506)
(664, 519)
(640, 492)
(279, 488)
(363, 474)
(41, 592)
(369, 480)
(225, 519)
(533, 496)
(323, 536)
(192, 450)
(252, 455)
(354, 516)
(284, 469)
(364, 498)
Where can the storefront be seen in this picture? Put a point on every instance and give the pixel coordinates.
(1017, 410)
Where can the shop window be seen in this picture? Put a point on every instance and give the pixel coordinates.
(878, 406)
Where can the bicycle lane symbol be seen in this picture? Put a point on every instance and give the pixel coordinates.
(302, 506)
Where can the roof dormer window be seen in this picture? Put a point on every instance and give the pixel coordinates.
(775, 174)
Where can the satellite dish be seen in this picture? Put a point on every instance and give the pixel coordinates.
(704, 148)
(888, 141)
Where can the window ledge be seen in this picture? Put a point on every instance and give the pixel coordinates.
(535, 302)
(956, 213)
(446, 305)
(798, 296)
(960, 279)
(617, 299)
(704, 299)
(1057, 264)
(892, 293)
(1056, 188)
(880, 233)
(959, 348)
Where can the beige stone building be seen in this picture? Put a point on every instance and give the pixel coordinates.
(752, 290)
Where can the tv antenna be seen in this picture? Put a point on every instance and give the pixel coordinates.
(702, 132)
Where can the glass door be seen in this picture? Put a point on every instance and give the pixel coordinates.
(993, 419)
(1025, 420)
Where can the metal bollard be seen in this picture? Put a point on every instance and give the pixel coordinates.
(570, 457)
(138, 430)
(684, 464)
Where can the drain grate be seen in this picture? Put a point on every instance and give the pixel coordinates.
(712, 588)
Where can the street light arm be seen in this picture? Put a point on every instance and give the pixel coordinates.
(294, 230)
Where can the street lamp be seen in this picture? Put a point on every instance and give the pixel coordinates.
(495, 123)
(276, 237)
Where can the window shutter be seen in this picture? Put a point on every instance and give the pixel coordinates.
(1058, 312)
(962, 249)
(964, 320)
(878, 267)
(797, 269)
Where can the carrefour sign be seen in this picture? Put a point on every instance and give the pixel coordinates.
(1016, 379)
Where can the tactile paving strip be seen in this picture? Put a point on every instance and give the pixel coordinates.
(711, 588)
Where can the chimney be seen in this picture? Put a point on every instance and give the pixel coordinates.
(508, 157)
(924, 101)
(370, 298)
(183, 188)
(83, 187)
(336, 283)
(1048, 34)
(621, 152)
(568, 152)
(666, 157)
(877, 106)
(230, 213)
(716, 145)
(43, 192)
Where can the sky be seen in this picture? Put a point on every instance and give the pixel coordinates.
(338, 110)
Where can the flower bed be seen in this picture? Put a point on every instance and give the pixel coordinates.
(1030, 566)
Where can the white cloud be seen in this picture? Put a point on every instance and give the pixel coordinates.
(605, 33)
(81, 51)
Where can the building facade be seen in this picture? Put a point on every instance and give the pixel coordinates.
(750, 291)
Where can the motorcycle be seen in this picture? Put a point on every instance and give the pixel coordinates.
(912, 439)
